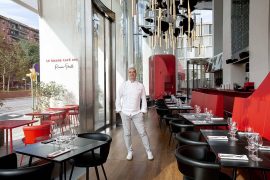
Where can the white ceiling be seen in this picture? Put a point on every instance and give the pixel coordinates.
(32, 5)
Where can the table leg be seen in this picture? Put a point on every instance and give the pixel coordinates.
(11, 143)
(65, 168)
(234, 173)
(6, 139)
(61, 171)
(264, 175)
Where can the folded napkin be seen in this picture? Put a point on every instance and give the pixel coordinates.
(241, 157)
(58, 153)
(241, 133)
(218, 138)
(200, 122)
(264, 148)
(217, 119)
(189, 116)
(170, 105)
(186, 106)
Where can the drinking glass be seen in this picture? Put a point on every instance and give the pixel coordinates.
(248, 134)
(233, 130)
(255, 144)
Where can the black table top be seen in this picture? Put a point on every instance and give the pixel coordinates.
(235, 147)
(201, 121)
(40, 150)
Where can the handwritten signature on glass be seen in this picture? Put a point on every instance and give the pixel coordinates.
(66, 66)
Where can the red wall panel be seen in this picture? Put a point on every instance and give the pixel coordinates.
(161, 75)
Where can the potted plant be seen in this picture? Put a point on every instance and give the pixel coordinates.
(49, 95)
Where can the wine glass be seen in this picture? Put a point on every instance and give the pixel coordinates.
(233, 130)
(248, 134)
(256, 143)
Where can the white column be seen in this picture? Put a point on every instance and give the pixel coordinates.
(217, 26)
(232, 73)
(259, 40)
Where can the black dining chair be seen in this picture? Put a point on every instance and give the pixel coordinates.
(197, 162)
(189, 138)
(10, 171)
(161, 113)
(93, 158)
(180, 125)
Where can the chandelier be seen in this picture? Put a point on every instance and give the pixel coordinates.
(167, 21)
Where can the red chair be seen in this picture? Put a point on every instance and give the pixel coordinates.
(34, 134)
(74, 115)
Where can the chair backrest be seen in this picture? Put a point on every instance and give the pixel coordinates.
(9, 161)
(33, 134)
(170, 117)
(40, 172)
(197, 162)
(104, 149)
(162, 111)
(189, 138)
(180, 125)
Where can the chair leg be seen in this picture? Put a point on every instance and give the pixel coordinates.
(159, 120)
(170, 138)
(21, 160)
(96, 169)
(87, 173)
(71, 172)
(104, 171)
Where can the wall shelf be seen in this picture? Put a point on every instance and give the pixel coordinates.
(242, 61)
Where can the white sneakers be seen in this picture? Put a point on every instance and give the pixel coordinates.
(129, 156)
(149, 155)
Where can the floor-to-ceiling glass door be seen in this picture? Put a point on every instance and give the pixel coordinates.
(101, 72)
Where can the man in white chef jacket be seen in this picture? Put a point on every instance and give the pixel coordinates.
(131, 104)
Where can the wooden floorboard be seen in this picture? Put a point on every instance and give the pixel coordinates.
(163, 166)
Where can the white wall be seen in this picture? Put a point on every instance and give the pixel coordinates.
(217, 26)
(232, 73)
(259, 40)
(60, 43)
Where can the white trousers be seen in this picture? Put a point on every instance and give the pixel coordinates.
(139, 124)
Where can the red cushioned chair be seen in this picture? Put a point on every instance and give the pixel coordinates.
(34, 134)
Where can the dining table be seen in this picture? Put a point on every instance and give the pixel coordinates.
(172, 106)
(45, 149)
(235, 148)
(202, 120)
(43, 114)
(9, 125)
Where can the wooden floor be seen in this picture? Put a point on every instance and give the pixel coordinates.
(163, 166)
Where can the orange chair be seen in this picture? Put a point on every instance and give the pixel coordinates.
(34, 134)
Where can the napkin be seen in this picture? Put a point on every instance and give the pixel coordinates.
(187, 107)
(58, 153)
(264, 148)
(171, 105)
(217, 119)
(189, 116)
(218, 138)
(200, 122)
(241, 157)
